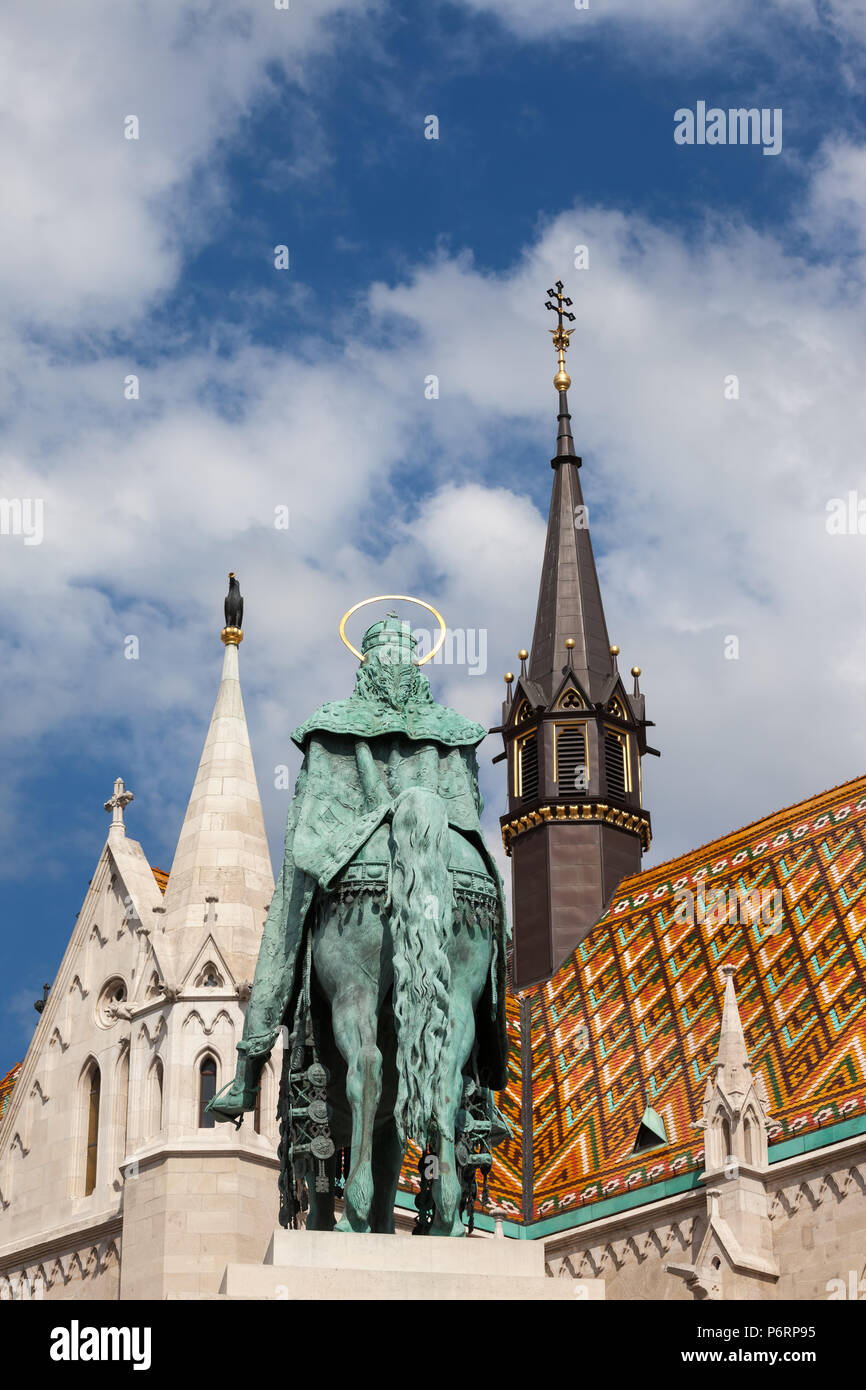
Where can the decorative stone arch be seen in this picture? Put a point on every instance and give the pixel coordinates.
(15, 1286)
(266, 1104)
(153, 1039)
(195, 1017)
(14, 1155)
(31, 1108)
(754, 1138)
(718, 1141)
(223, 1017)
(155, 1098)
(209, 977)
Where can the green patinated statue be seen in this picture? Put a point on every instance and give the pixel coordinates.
(383, 958)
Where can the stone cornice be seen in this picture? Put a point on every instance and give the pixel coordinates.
(621, 1225)
(195, 1148)
(64, 1240)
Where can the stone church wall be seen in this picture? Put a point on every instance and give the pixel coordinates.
(819, 1225)
(81, 1270)
(630, 1251)
(818, 1215)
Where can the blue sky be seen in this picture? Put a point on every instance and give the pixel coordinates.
(305, 387)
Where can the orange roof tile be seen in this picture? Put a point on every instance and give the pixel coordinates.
(7, 1086)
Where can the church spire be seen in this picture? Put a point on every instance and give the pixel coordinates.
(735, 1105)
(574, 738)
(569, 597)
(562, 381)
(736, 1255)
(221, 879)
(732, 1058)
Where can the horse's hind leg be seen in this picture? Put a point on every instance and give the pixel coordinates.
(353, 1014)
(469, 953)
(388, 1152)
(454, 1056)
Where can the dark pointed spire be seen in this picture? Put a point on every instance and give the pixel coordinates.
(569, 597)
(575, 825)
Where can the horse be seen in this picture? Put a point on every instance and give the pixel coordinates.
(399, 953)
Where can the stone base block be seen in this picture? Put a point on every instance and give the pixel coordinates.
(310, 1265)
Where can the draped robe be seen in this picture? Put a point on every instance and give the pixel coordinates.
(359, 754)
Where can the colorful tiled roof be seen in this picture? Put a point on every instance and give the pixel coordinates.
(7, 1086)
(633, 1017)
(161, 877)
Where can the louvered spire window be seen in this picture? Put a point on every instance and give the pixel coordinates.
(614, 762)
(529, 767)
(571, 769)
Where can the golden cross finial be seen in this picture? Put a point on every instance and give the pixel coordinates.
(561, 334)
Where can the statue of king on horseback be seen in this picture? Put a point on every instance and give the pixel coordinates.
(383, 959)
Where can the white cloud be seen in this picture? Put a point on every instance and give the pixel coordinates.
(94, 225)
(690, 21)
(836, 209)
(710, 513)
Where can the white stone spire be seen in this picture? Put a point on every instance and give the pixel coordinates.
(737, 1251)
(733, 1074)
(221, 880)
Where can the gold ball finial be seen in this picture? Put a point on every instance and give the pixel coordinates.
(569, 642)
(614, 651)
(231, 574)
(635, 670)
(509, 677)
(562, 381)
(523, 654)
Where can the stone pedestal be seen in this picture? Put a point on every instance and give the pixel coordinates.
(311, 1265)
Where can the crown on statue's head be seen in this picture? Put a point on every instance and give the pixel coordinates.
(393, 637)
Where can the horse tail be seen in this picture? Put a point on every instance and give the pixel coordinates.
(421, 913)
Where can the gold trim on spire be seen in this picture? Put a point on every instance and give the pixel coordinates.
(561, 334)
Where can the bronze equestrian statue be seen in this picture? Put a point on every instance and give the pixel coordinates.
(383, 958)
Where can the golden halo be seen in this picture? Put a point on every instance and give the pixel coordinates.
(403, 598)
